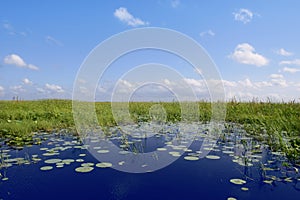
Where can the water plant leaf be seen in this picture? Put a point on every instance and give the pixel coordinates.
(46, 168)
(212, 157)
(191, 158)
(84, 169)
(104, 164)
(237, 181)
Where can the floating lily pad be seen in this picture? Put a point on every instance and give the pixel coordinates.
(268, 181)
(79, 160)
(52, 161)
(82, 155)
(50, 154)
(89, 164)
(68, 161)
(103, 151)
(237, 181)
(244, 189)
(46, 168)
(212, 157)
(84, 169)
(174, 153)
(104, 165)
(121, 163)
(192, 158)
(231, 198)
(4, 179)
(161, 149)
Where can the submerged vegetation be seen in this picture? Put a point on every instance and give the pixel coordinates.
(276, 124)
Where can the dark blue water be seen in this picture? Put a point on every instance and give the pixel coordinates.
(201, 179)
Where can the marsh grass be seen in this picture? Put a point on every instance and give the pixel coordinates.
(276, 124)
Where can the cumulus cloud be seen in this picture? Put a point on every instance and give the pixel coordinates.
(17, 89)
(278, 79)
(123, 15)
(290, 62)
(14, 59)
(245, 54)
(284, 52)
(209, 33)
(290, 70)
(26, 81)
(243, 15)
(54, 88)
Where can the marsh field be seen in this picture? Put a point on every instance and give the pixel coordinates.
(257, 153)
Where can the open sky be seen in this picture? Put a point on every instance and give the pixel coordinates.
(254, 44)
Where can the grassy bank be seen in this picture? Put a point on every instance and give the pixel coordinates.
(278, 124)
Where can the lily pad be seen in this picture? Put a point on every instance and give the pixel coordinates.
(89, 164)
(192, 158)
(231, 198)
(212, 157)
(161, 149)
(103, 151)
(46, 168)
(52, 161)
(103, 165)
(237, 181)
(84, 169)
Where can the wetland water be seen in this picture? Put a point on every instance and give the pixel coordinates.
(59, 166)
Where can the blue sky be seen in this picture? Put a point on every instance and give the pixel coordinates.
(255, 44)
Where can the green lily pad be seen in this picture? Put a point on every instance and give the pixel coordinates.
(244, 189)
(237, 181)
(89, 164)
(231, 198)
(52, 161)
(161, 149)
(79, 160)
(84, 169)
(191, 158)
(46, 168)
(68, 161)
(268, 181)
(212, 157)
(103, 151)
(104, 165)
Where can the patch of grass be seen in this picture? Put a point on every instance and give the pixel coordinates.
(277, 124)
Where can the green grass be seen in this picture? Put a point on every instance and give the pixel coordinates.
(277, 124)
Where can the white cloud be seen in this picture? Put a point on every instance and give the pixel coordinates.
(278, 79)
(123, 15)
(175, 3)
(17, 89)
(26, 81)
(290, 62)
(54, 88)
(209, 32)
(245, 53)
(284, 52)
(1, 90)
(276, 76)
(14, 59)
(243, 15)
(51, 40)
(33, 67)
(290, 70)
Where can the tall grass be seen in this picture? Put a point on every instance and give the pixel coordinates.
(278, 124)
